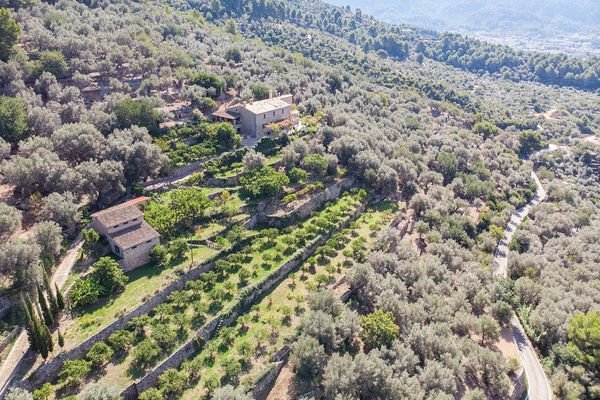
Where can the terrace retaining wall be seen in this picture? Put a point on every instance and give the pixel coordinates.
(50, 370)
(208, 331)
(304, 210)
(265, 384)
(6, 341)
(177, 173)
(262, 388)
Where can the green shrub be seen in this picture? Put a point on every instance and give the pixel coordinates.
(151, 394)
(99, 354)
(121, 340)
(140, 112)
(287, 199)
(145, 353)
(84, 292)
(73, 372)
(53, 62)
(315, 163)
(208, 81)
(378, 329)
(13, 119)
(178, 248)
(263, 182)
(44, 392)
(108, 273)
(159, 255)
(172, 382)
(260, 91)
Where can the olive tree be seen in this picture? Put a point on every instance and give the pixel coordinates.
(62, 209)
(99, 392)
(4, 149)
(228, 392)
(10, 220)
(48, 236)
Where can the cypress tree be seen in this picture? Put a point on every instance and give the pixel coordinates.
(44, 344)
(36, 324)
(52, 300)
(60, 299)
(49, 340)
(61, 339)
(29, 323)
(38, 328)
(46, 313)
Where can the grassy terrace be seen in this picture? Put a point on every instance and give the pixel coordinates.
(155, 336)
(241, 353)
(238, 168)
(143, 282)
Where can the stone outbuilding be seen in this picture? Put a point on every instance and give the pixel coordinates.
(129, 236)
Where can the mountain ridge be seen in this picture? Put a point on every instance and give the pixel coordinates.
(550, 26)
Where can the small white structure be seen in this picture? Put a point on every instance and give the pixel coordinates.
(130, 237)
(258, 118)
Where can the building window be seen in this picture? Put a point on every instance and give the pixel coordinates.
(125, 223)
(117, 250)
(134, 247)
(116, 226)
(265, 116)
(273, 113)
(149, 241)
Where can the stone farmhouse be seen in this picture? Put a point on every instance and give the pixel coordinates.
(259, 118)
(129, 236)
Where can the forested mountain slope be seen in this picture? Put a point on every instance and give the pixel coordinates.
(393, 41)
(558, 24)
(92, 98)
(445, 14)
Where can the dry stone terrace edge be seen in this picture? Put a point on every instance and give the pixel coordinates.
(50, 370)
(208, 331)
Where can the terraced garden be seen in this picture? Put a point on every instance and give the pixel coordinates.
(147, 280)
(241, 354)
(130, 354)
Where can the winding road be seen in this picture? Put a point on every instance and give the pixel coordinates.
(538, 386)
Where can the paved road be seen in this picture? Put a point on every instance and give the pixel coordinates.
(501, 255)
(537, 382)
(21, 345)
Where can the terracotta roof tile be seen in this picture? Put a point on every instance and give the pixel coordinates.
(118, 215)
(134, 235)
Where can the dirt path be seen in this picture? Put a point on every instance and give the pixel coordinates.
(64, 268)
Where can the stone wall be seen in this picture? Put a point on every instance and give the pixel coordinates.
(223, 182)
(177, 173)
(265, 384)
(138, 256)
(6, 341)
(304, 210)
(50, 370)
(247, 298)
